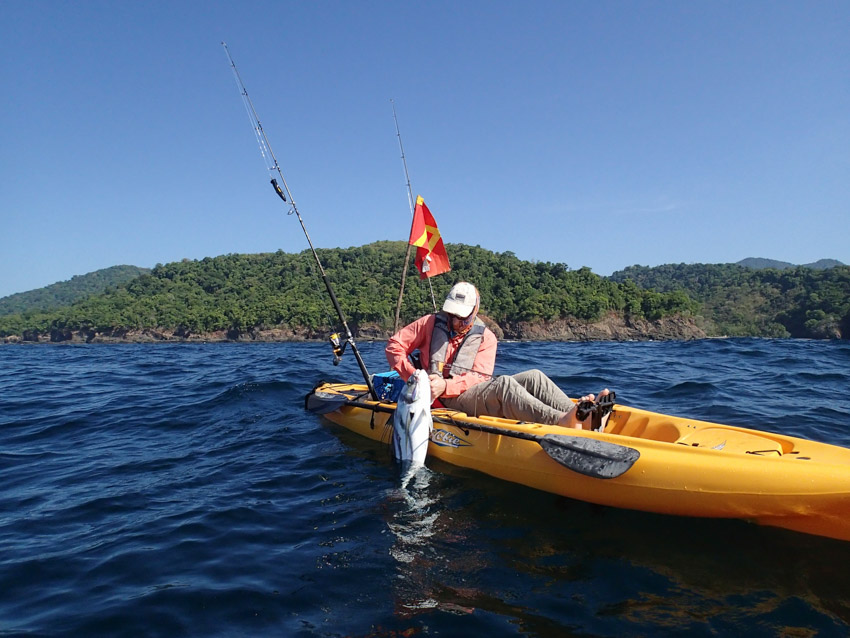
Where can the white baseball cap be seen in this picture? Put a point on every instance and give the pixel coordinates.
(461, 300)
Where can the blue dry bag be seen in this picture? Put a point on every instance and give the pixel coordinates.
(388, 385)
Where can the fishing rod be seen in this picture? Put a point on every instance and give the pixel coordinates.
(273, 167)
(412, 214)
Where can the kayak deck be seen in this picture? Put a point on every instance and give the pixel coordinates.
(683, 467)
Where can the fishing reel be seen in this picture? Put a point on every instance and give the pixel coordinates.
(338, 347)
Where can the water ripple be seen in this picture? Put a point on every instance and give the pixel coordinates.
(176, 490)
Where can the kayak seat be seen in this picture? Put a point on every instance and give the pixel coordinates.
(664, 431)
(639, 426)
(626, 424)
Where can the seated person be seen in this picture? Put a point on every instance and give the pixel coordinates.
(459, 353)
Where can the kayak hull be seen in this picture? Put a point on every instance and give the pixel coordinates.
(685, 467)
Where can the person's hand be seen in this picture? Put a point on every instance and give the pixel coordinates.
(438, 386)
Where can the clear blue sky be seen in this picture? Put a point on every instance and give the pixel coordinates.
(594, 133)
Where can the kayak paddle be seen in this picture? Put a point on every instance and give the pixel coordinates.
(588, 456)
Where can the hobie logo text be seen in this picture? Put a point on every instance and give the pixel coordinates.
(447, 439)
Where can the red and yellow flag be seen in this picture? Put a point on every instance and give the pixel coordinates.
(431, 256)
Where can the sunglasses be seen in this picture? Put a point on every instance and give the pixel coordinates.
(463, 320)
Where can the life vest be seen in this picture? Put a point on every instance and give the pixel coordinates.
(464, 356)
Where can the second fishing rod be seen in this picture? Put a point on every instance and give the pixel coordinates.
(284, 192)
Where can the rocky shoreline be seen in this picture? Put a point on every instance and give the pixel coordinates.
(610, 328)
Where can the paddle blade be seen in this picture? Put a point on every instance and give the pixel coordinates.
(597, 459)
(319, 402)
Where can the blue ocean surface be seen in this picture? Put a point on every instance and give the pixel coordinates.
(183, 490)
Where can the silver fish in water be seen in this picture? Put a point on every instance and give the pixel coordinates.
(412, 422)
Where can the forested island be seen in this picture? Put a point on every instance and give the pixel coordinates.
(68, 292)
(279, 296)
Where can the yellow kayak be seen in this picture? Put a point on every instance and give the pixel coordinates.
(641, 460)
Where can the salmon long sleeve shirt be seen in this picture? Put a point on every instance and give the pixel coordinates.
(418, 335)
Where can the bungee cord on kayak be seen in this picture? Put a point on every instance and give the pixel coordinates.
(284, 192)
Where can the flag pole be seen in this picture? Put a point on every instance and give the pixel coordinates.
(407, 251)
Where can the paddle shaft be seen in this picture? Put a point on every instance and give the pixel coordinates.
(588, 456)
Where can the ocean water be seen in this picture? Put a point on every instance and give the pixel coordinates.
(182, 490)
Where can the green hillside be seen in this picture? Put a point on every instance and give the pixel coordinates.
(69, 292)
(759, 263)
(242, 292)
(235, 294)
(740, 301)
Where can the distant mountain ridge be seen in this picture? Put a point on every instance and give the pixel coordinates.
(275, 296)
(759, 263)
(232, 296)
(65, 293)
(745, 301)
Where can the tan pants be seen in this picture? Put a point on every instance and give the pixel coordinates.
(527, 396)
